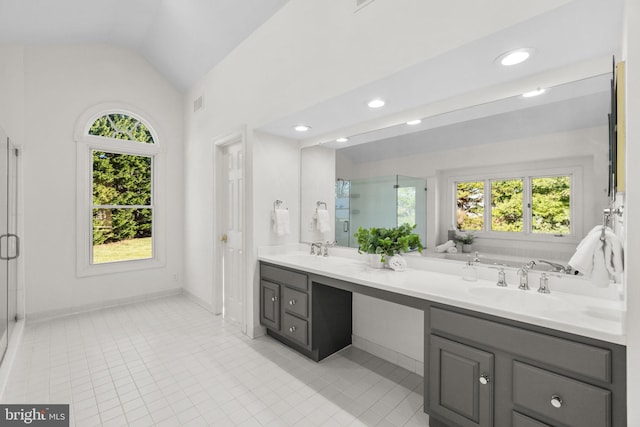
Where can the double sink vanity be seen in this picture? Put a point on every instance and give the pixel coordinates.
(493, 356)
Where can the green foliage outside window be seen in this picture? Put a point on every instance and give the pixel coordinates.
(506, 205)
(551, 205)
(121, 186)
(470, 205)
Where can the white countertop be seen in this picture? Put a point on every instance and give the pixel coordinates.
(585, 315)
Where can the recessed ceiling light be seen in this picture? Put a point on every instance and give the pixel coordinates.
(414, 122)
(302, 128)
(534, 93)
(376, 103)
(342, 139)
(515, 57)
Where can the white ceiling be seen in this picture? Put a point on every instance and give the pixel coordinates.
(183, 39)
(577, 31)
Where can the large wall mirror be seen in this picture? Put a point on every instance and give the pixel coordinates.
(513, 153)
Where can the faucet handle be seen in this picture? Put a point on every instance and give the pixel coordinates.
(544, 284)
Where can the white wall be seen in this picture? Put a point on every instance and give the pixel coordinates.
(61, 83)
(12, 91)
(632, 208)
(310, 51)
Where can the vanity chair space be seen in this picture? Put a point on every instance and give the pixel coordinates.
(310, 317)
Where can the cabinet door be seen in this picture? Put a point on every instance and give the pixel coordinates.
(460, 383)
(270, 305)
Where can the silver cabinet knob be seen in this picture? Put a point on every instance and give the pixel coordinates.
(292, 329)
(292, 302)
(556, 401)
(274, 299)
(484, 379)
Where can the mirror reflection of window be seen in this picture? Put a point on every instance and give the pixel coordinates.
(470, 205)
(551, 205)
(406, 205)
(506, 205)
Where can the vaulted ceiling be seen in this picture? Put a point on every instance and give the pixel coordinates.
(183, 39)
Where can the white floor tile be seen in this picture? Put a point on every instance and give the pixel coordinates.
(168, 362)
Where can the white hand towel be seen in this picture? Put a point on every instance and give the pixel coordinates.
(600, 260)
(443, 247)
(323, 223)
(582, 260)
(281, 222)
(452, 250)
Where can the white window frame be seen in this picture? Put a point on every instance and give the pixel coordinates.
(85, 145)
(576, 203)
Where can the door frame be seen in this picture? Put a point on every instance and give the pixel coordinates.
(219, 144)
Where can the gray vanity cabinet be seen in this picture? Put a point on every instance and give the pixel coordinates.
(461, 385)
(300, 311)
(270, 304)
(488, 371)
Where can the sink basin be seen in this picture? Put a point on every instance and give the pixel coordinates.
(525, 300)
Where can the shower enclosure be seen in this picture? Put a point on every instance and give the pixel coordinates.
(9, 240)
(387, 201)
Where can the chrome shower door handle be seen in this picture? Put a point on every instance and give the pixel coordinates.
(9, 257)
(8, 236)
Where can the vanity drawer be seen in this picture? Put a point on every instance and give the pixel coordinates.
(519, 420)
(575, 357)
(296, 329)
(287, 277)
(577, 404)
(296, 302)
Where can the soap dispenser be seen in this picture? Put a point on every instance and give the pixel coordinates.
(469, 271)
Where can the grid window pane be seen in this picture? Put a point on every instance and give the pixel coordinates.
(406, 205)
(121, 179)
(122, 234)
(506, 205)
(470, 205)
(551, 205)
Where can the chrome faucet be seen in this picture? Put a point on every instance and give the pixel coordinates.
(544, 284)
(524, 275)
(325, 247)
(557, 268)
(476, 258)
(314, 246)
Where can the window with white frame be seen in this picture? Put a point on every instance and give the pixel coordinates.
(529, 204)
(117, 204)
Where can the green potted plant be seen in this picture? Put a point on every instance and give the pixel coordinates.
(466, 240)
(386, 242)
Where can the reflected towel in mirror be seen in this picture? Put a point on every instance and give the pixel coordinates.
(447, 245)
(281, 222)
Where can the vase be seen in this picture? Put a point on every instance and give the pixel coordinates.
(374, 261)
(467, 248)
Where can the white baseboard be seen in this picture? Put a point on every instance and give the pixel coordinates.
(392, 356)
(53, 314)
(10, 356)
(197, 300)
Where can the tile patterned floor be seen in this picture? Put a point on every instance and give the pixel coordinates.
(168, 362)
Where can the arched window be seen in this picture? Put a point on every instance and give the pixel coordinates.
(118, 163)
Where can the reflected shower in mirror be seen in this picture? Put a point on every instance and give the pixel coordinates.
(563, 130)
(387, 201)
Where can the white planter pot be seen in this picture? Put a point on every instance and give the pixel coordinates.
(374, 261)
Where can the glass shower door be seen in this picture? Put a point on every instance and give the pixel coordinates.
(4, 243)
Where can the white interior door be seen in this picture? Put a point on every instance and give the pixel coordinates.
(233, 274)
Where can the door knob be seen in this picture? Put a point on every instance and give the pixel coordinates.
(484, 379)
(223, 239)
